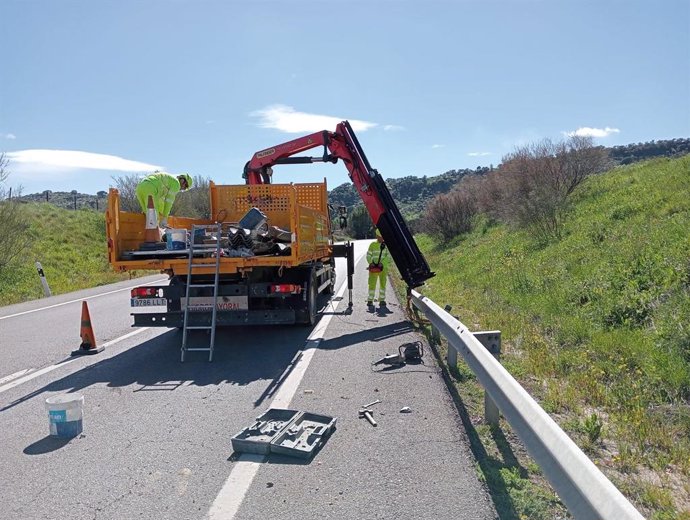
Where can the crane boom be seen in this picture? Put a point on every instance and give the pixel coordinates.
(343, 144)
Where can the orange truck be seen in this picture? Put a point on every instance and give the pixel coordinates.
(263, 288)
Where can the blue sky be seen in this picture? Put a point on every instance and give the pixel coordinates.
(92, 89)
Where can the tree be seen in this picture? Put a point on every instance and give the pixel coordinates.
(533, 184)
(361, 225)
(195, 202)
(127, 186)
(14, 238)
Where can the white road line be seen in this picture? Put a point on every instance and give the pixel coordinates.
(231, 495)
(15, 375)
(50, 368)
(81, 299)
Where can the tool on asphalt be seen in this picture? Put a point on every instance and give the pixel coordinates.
(368, 415)
(391, 359)
(152, 234)
(407, 353)
(371, 404)
(88, 339)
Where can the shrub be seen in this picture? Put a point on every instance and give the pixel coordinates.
(14, 237)
(451, 214)
(532, 185)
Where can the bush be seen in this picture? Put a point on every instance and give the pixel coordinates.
(532, 185)
(14, 237)
(452, 214)
(127, 186)
(196, 202)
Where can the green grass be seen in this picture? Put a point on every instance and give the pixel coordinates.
(596, 325)
(71, 248)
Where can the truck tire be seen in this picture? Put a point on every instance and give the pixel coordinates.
(307, 314)
(330, 288)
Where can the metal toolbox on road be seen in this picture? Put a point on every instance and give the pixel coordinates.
(285, 432)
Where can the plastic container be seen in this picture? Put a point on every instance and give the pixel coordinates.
(65, 415)
(176, 239)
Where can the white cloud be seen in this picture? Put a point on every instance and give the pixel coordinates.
(75, 160)
(10, 136)
(393, 128)
(438, 145)
(586, 131)
(479, 154)
(287, 119)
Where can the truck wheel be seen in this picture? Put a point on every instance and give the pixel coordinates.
(307, 315)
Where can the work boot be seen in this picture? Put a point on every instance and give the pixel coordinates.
(370, 303)
(382, 303)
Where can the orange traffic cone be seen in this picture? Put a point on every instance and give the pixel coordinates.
(152, 235)
(88, 340)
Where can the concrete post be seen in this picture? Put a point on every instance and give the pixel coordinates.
(492, 342)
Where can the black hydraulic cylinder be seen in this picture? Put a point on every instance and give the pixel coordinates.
(406, 254)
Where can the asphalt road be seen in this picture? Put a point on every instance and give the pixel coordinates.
(156, 441)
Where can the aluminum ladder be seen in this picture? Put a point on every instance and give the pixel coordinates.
(204, 249)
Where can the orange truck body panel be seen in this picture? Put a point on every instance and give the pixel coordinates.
(301, 209)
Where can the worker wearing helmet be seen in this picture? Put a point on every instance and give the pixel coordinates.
(163, 187)
(377, 258)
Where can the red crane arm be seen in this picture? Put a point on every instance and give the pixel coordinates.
(343, 144)
(259, 169)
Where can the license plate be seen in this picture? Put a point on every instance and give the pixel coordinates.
(148, 302)
(223, 303)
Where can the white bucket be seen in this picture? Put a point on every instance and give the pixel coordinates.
(65, 414)
(176, 239)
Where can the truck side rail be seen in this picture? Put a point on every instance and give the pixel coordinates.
(584, 489)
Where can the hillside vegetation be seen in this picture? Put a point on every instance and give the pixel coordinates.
(71, 248)
(595, 323)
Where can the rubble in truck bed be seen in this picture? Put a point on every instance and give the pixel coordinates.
(237, 241)
(251, 236)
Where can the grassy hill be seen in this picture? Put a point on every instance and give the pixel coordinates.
(597, 325)
(71, 248)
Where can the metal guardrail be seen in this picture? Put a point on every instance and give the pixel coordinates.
(585, 490)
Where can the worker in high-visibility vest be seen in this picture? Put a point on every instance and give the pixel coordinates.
(163, 187)
(377, 258)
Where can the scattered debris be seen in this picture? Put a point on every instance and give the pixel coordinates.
(372, 403)
(406, 409)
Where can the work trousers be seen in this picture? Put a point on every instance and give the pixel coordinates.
(143, 190)
(381, 277)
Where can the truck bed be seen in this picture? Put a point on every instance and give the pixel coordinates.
(301, 209)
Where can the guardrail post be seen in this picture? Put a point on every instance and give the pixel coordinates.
(491, 340)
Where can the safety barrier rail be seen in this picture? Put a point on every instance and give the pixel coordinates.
(585, 490)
